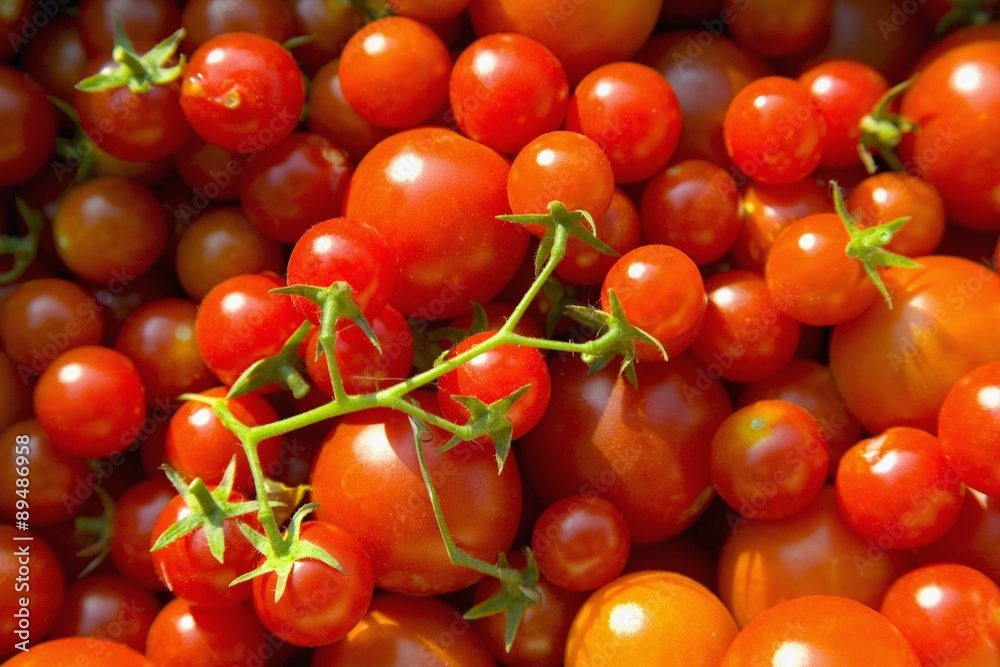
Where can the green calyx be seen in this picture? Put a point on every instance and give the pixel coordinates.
(882, 130)
(137, 71)
(518, 591)
(22, 249)
(965, 13)
(868, 245)
(285, 369)
(488, 420)
(560, 221)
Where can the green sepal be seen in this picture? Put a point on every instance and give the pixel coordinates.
(139, 72)
(100, 528)
(23, 249)
(868, 245)
(297, 41)
(286, 369)
(488, 420)
(965, 13)
(883, 130)
(518, 591)
(577, 224)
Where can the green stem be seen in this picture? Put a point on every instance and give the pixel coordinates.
(556, 255)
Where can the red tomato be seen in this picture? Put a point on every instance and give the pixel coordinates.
(29, 129)
(73, 651)
(777, 27)
(972, 539)
(146, 22)
(332, 117)
(186, 635)
(969, 427)
(132, 528)
(890, 195)
(205, 19)
(44, 593)
(109, 607)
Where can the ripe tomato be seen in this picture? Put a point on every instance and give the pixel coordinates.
(44, 592)
(778, 27)
(132, 528)
(891, 195)
(367, 481)
(972, 539)
(73, 651)
(71, 402)
(106, 606)
(821, 630)
(969, 426)
(894, 367)
(205, 19)
(650, 617)
(29, 127)
(146, 22)
(434, 195)
(618, 228)
(186, 635)
(242, 92)
(609, 439)
(319, 605)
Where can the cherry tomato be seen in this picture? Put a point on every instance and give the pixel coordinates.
(507, 89)
(208, 169)
(948, 613)
(72, 651)
(778, 27)
(650, 618)
(146, 22)
(242, 92)
(107, 607)
(890, 195)
(132, 528)
(394, 72)
(29, 128)
(821, 630)
(618, 228)
(44, 592)
(205, 19)
(187, 635)
(55, 58)
(331, 25)
(898, 489)
(71, 402)
(661, 292)
(969, 426)
(775, 131)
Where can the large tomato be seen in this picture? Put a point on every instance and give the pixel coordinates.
(434, 195)
(957, 147)
(367, 480)
(894, 367)
(645, 450)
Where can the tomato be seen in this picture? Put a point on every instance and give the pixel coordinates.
(581, 543)
(821, 630)
(948, 613)
(367, 481)
(705, 70)
(331, 26)
(810, 276)
(955, 147)
(189, 569)
(633, 115)
(846, 91)
(507, 89)
(650, 618)
(293, 185)
(55, 58)
(661, 292)
(618, 228)
(44, 317)
(434, 195)
(969, 426)
(132, 528)
(608, 439)
(146, 22)
(541, 636)
(109, 229)
(138, 127)
(44, 591)
(561, 166)
(71, 406)
(813, 552)
(29, 127)
(394, 72)
(205, 19)
(186, 635)
(890, 195)
(107, 607)
(494, 375)
(745, 337)
(73, 651)
(894, 367)
(399, 631)
(769, 460)
(208, 169)
(582, 36)
(242, 92)
(240, 322)
(778, 27)
(341, 249)
(810, 385)
(15, 395)
(898, 489)
(319, 605)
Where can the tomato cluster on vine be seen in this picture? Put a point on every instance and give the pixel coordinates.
(477, 332)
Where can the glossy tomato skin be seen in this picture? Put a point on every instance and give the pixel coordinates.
(106, 606)
(332, 117)
(506, 89)
(948, 613)
(651, 617)
(44, 594)
(71, 651)
(891, 195)
(969, 427)
(205, 19)
(955, 147)
(898, 488)
(132, 527)
(971, 539)
(399, 631)
(367, 481)
(895, 367)
(242, 92)
(777, 27)
(662, 293)
(434, 195)
(187, 635)
(610, 440)
(319, 605)
(813, 552)
(633, 115)
(146, 22)
(821, 630)
(29, 128)
(70, 406)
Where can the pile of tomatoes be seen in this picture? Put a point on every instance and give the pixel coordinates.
(787, 450)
